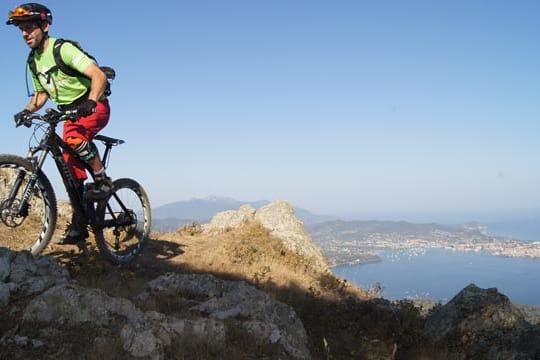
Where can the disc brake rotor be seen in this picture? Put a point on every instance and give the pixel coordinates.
(9, 215)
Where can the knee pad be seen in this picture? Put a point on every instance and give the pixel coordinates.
(86, 150)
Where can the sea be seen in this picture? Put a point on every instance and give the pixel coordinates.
(440, 274)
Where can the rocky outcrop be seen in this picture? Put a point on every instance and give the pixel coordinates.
(45, 307)
(279, 218)
(483, 324)
(234, 304)
(22, 275)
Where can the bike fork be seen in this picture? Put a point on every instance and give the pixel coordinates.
(22, 209)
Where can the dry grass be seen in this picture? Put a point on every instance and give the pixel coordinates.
(251, 254)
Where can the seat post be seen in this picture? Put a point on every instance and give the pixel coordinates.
(106, 155)
(109, 142)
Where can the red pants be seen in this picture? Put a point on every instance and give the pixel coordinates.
(85, 128)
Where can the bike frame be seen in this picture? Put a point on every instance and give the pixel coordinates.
(52, 143)
(120, 221)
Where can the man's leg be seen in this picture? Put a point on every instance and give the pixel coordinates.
(86, 128)
(78, 135)
(76, 231)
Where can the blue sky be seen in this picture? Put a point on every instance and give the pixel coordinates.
(357, 107)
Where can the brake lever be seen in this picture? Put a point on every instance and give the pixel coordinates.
(26, 121)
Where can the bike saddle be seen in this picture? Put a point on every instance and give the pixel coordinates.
(108, 140)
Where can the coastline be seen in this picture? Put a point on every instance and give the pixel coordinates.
(431, 277)
(344, 249)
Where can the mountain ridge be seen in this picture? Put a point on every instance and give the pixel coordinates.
(171, 216)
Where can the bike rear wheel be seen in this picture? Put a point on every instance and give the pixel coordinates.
(124, 221)
(28, 227)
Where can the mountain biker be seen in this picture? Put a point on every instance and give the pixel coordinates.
(85, 94)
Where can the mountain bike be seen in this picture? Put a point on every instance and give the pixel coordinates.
(28, 207)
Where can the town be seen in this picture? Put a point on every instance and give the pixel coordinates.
(351, 243)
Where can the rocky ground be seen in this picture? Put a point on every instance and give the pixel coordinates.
(250, 285)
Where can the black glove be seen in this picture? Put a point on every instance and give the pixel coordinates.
(23, 118)
(87, 107)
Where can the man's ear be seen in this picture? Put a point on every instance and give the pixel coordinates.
(45, 26)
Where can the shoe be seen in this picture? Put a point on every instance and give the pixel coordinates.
(73, 235)
(100, 189)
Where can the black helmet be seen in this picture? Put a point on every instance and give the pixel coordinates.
(29, 12)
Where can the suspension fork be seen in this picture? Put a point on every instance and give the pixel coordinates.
(23, 205)
(37, 163)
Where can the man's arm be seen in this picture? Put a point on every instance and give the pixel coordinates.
(37, 101)
(98, 81)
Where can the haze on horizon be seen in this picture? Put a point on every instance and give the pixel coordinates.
(350, 107)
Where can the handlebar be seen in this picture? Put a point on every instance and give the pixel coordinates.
(52, 116)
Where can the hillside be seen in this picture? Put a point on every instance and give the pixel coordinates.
(248, 285)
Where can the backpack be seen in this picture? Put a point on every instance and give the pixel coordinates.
(61, 65)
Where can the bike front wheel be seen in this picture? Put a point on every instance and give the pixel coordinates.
(27, 214)
(124, 221)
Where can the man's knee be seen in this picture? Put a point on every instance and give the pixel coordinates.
(86, 150)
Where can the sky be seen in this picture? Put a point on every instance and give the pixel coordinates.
(339, 107)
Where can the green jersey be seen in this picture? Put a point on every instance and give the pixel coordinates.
(62, 89)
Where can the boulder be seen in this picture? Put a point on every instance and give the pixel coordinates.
(483, 324)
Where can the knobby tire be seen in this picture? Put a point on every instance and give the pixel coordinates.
(34, 229)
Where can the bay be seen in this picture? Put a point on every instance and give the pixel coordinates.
(440, 274)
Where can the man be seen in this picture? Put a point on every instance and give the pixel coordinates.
(84, 93)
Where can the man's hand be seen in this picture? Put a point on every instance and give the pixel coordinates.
(87, 107)
(23, 118)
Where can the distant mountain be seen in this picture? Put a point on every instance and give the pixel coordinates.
(201, 210)
(355, 229)
(170, 217)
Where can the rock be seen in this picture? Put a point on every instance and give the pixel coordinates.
(6, 256)
(267, 320)
(25, 275)
(152, 336)
(57, 308)
(143, 334)
(279, 218)
(484, 324)
(71, 304)
(4, 294)
(231, 218)
(23, 267)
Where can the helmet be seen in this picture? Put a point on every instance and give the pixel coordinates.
(29, 12)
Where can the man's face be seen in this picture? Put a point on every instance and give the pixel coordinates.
(32, 33)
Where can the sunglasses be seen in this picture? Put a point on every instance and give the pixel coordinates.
(28, 27)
